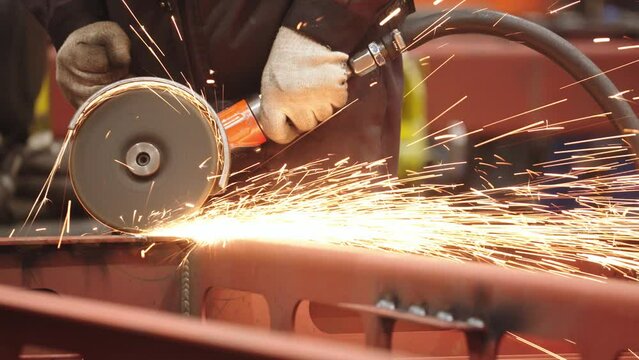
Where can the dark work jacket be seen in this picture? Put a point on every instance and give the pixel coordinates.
(234, 37)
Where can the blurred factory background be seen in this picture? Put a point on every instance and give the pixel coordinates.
(498, 78)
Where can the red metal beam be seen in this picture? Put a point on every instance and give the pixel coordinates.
(108, 268)
(601, 318)
(108, 331)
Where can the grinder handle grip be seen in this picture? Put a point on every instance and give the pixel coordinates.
(240, 124)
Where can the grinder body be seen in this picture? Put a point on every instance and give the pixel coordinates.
(148, 150)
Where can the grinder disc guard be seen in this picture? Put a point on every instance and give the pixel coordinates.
(146, 151)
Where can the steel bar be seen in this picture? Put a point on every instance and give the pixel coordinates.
(107, 331)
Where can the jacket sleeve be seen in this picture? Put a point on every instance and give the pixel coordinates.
(342, 24)
(62, 17)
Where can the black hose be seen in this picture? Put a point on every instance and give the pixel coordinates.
(538, 38)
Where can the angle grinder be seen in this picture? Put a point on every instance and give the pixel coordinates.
(148, 150)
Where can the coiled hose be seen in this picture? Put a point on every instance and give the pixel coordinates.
(536, 37)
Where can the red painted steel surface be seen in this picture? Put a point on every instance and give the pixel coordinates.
(600, 318)
(107, 268)
(99, 330)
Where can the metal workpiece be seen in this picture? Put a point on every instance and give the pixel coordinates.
(98, 330)
(541, 305)
(109, 268)
(488, 301)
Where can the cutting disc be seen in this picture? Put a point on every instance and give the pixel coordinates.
(146, 151)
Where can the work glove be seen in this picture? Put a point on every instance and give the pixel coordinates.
(302, 85)
(90, 58)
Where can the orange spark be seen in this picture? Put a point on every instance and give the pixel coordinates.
(564, 7)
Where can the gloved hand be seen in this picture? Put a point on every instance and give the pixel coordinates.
(90, 58)
(302, 81)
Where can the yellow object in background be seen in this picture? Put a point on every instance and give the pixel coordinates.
(42, 108)
(414, 117)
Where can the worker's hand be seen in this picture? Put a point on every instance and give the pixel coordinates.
(90, 58)
(303, 82)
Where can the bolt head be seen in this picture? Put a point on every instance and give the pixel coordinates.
(475, 322)
(386, 304)
(417, 310)
(445, 316)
